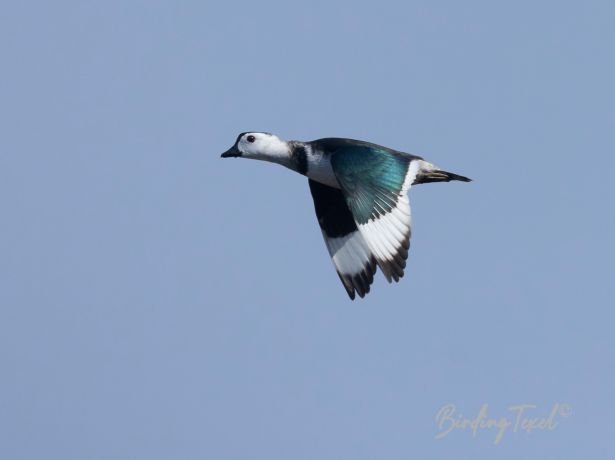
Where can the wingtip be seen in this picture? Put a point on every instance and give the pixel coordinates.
(348, 286)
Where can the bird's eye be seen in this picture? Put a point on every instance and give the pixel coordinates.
(251, 138)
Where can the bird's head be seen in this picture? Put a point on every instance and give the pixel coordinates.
(259, 146)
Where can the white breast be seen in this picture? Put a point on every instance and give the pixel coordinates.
(320, 169)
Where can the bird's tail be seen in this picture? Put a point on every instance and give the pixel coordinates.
(430, 173)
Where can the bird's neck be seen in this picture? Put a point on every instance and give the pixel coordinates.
(299, 156)
(276, 151)
(295, 155)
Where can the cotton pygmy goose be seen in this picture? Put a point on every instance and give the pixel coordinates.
(360, 196)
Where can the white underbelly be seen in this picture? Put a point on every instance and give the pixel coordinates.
(320, 170)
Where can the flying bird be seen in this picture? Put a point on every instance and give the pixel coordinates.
(360, 197)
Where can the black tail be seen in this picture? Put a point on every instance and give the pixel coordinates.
(437, 175)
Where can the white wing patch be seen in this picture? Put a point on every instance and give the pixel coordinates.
(388, 236)
(349, 253)
(353, 261)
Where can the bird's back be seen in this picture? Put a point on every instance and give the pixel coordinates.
(330, 145)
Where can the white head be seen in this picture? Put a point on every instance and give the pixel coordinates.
(260, 146)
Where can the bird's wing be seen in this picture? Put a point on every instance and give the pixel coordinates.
(375, 183)
(349, 252)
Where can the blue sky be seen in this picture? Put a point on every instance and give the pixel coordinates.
(158, 302)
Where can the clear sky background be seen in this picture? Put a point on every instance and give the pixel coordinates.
(158, 302)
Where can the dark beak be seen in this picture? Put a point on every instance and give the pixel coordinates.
(232, 152)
